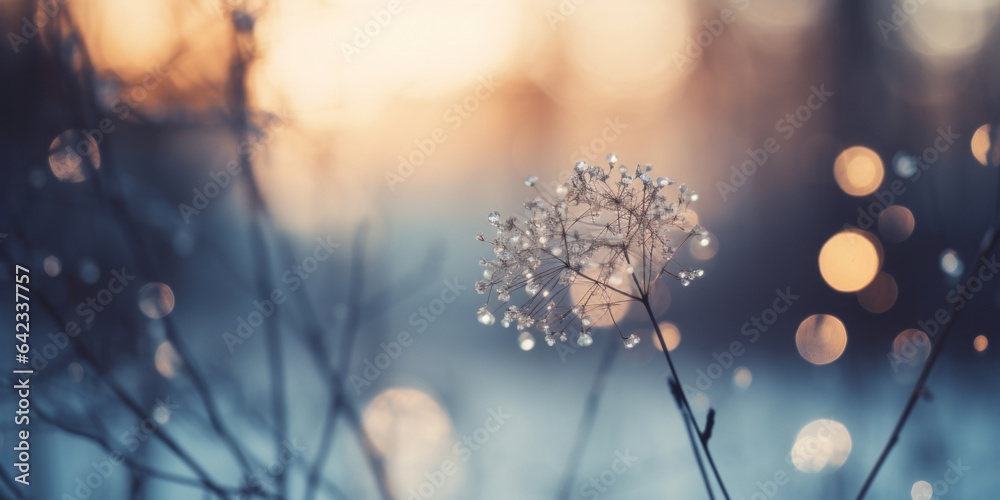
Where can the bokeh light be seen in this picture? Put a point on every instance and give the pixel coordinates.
(849, 261)
(68, 154)
(821, 339)
(904, 165)
(981, 143)
(980, 343)
(880, 294)
(671, 336)
(156, 300)
(413, 433)
(166, 359)
(911, 347)
(742, 377)
(921, 490)
(895, 224)
(704, 247)
(858, 171)
(52, 266)
(951, 264)
(526, 341)
(821, 445)
(943, 30)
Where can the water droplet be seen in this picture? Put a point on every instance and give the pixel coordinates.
(485, 316)
(530, 180)
(665, 181)
(494, 218)
(585, 339)
(631, 341)
(612, 158)
(580, 166)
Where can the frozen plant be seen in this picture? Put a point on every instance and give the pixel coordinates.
(585, 246)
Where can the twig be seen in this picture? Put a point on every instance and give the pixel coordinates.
(675, 389)
(683, 398)
(586, 424)
(990, 240)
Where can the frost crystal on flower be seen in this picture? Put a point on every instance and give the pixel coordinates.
(583, 247)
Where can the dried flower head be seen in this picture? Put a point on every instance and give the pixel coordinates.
(586, 246)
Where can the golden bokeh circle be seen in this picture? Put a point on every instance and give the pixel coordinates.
(821, 339)
(849, 260)
(858, 170)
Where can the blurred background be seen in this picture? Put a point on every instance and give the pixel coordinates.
(251, 230)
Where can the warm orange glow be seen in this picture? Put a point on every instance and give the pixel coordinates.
(880, 294)
(858, 171)
(412, 432)
(945, 29)
(911, 347)
(639, 64)
(671, 335)
(981, 142)
(156, 300)
(166, 360)
(849, 261)
(67, 155)
(980, 343)
(821, 339)
(821, 445)
(896, 223)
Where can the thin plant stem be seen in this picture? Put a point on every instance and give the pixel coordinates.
(586, 425)
(694, 446)
(990, 240)
(683, 398)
